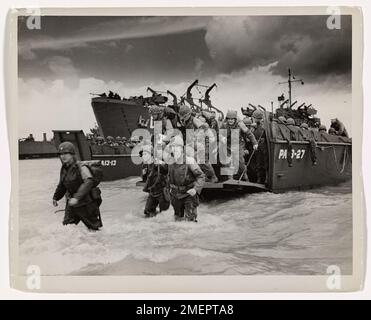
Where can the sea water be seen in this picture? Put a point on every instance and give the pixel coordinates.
(298, 232)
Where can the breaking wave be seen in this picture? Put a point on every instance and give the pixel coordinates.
(265, 233)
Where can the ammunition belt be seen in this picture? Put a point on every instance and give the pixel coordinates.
(181, 188)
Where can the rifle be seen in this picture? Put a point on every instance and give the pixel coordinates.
(175, 100)
(189, 97)
(207, 101)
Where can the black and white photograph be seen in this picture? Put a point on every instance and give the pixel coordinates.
(185, 145)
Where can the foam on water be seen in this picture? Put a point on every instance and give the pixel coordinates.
(265, 233)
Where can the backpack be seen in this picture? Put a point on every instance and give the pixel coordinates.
(95, 168)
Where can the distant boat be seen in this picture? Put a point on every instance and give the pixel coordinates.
(28, 148)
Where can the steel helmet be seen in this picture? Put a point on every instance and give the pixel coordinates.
(110, 138)
(177, 141)
(322, 127)
(258, 115)
(231, 114)
(66, 147)
(155, 110)
(100, 138)
(282, 119)
(184, 112)
(304, 125)
(247, 121)
(190, 150)
(331, 131)
(118, 138)
(290, 121)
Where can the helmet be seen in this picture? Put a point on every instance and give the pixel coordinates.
(118, 138)
(334, 120)
(290, 121)
(247, 121)
(124, 139)
(258, 114)
(184, 112)
(177, 141)
(331, 131)
(110, 138)
(304, 125)
(322, 127)
(100, 138)
(66, 147)
(231, 114)
(282, 119)
(155, 110)
(190, 150)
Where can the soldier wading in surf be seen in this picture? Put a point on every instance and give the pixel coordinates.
(78, 184)
(186, 181)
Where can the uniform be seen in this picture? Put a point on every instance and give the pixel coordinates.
(193, 123)
(183, 177)
(156, 185)
(76, 182)
(339, 128)
(260, 158)
(244, 133)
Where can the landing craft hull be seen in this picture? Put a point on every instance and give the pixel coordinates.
(334, 165)
(120, 117)
(119, 166)
(117, 117)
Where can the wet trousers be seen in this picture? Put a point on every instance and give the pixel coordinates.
(89, 214)
(153, 202)
(185, 208)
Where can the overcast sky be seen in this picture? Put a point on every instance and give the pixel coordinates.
(69, 57)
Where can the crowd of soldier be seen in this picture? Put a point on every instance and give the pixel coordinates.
(111, 145)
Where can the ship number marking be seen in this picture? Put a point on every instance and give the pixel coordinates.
(108, 163)
(297, 154)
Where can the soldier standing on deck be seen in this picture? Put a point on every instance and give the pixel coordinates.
(339, 128)
(188, 121)
(232, 122)
(186, 181)
(261, 155)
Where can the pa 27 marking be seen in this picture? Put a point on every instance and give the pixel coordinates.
(297, 154)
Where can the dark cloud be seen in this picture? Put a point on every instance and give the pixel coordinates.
(303, 43)
(176, 49)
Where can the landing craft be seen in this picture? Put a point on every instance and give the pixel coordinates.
(290, 151)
